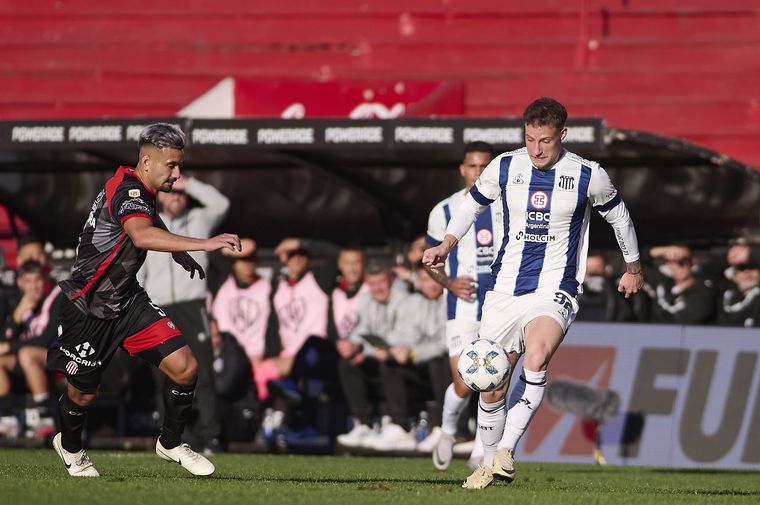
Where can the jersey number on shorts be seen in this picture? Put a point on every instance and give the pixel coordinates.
(562, 299)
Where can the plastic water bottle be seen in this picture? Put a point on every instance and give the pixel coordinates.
(267, 425)
(422, 427)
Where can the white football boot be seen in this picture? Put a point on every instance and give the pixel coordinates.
(78, 464)
(183, 455)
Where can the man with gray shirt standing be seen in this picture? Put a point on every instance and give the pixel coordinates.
(184, 299)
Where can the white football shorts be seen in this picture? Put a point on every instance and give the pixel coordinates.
(505, 316)
(459, 333)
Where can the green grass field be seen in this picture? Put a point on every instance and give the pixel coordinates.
(33, 476)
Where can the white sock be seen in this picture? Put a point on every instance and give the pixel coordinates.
(41, 397)
(491, 417)
(452, 408)
(524, 402)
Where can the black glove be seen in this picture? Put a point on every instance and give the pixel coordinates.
(188, 263)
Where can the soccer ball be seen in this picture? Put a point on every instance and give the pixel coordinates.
(483, 365)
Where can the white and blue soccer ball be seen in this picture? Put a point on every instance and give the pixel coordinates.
(483, 365)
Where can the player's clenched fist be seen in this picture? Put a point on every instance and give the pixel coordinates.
(435, 257)
(224, 241)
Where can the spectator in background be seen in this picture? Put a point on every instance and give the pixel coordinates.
(237, 403)
(27, 332)
(740, 304)
(313, 379)
(300, 311)
(416, 364)
(405, 270)
(242, 305)
(678, 296)
(599, 300)
(348, 291)
(183, 298)
(359, 366)
(28, 248)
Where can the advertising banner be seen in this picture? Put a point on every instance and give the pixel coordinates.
(689, 397)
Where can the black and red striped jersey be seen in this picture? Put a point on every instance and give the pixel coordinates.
(104, 276)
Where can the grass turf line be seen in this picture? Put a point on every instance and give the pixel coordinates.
(140, 478)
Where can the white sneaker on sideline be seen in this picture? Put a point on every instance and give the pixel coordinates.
(355, 437)
(78, 464)
(9, 427)
(443, 452)
(464, 448)
(190, 460)
(394, 438)
(431, 441)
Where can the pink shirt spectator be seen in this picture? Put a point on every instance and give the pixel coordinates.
(37, 323)
(345, 310)
(244, 312)
(301, 311)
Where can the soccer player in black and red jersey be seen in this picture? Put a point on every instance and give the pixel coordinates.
(105, 308)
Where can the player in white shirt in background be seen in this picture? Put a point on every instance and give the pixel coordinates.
(546, 196)
(467, 278)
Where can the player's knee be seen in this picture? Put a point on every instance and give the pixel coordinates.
(189, 371)
(536, 361)
(493, 396)
(460, 388)
(81, 398)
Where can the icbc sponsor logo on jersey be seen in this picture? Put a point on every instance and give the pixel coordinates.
(484, 236)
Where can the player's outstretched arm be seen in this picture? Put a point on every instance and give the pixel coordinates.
(182, 258)
(145, 235)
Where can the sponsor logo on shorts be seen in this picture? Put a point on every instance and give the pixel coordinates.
(455, 341)
(85, 349)
(79, 360)
(72, 368)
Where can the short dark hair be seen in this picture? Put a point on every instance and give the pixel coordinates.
(545, 111)
(352, 248)
(300, 251)
(377, 266)
(478, 146)
(161, 135)
(30, 267)
(29, 239)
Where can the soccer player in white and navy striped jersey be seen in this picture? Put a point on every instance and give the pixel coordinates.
(467, 278)
(546, 196)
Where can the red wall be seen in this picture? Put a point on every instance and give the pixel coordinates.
(658, 65)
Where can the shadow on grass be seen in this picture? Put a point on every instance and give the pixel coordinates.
(367, 483)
